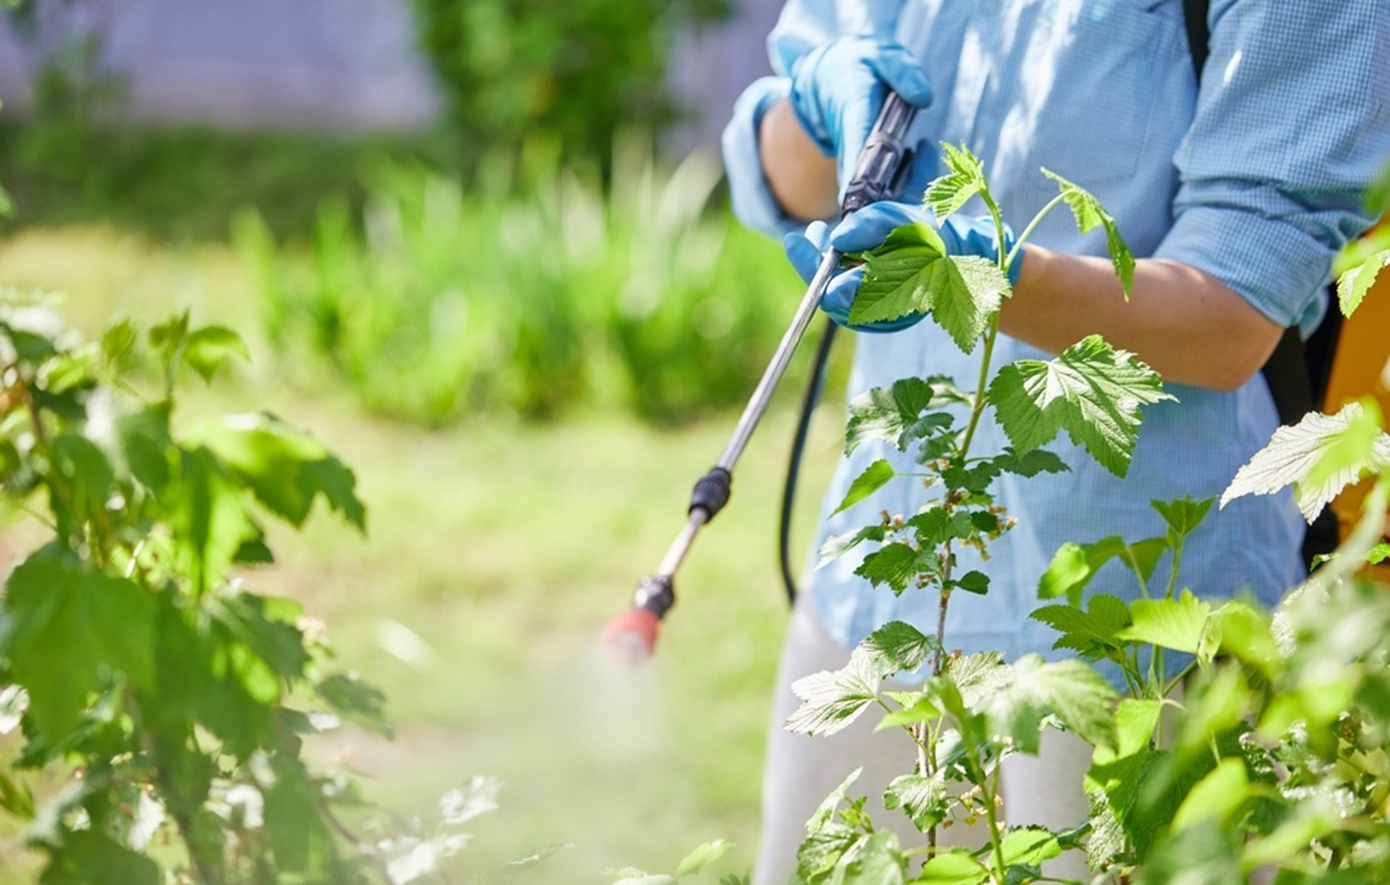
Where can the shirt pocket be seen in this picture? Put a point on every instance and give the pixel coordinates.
(1089, 78)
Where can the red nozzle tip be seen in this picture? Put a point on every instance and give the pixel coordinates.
(630, 638)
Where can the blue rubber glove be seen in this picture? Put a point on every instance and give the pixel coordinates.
(838, 87)
(869, 227)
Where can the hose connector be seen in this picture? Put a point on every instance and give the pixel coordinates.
(711, 492)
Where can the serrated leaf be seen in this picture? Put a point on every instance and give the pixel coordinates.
(286, 468)
(1029, 845)
(1337, 449)
(1092, 633)
(896, 565)
(925, 800)
(1171, 623)
(911, 273)
(1353, 285)
(66, 630)
(899, 274)
(1030, 464)
(1091, 391)
(1069, 690)
(1182, 515)
(875, 476)
(897, 647)
(832, 699)
(947, 194)
(354, 697)
(919, 709)
(206, 349)
(879, 860)
(825, 812)
(1089, 214)
(1379, 553)
(899, 413)
(937, 525)
(837, 545)
(972, 582)
(1074, 565)
(477, 797)
(702, 857)
(954, 867)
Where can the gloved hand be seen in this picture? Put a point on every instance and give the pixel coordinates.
(838, 87)
(869, 227)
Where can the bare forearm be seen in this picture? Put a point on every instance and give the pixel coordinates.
(799, 175)
(1186, 324)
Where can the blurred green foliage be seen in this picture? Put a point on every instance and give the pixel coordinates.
(531, 288)
(579, 70)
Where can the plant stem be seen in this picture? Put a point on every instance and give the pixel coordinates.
(977, 771)
(1028, 231)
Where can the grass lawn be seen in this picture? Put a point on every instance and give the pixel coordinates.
(496, 552)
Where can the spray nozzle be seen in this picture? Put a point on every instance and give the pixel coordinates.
(630, 638)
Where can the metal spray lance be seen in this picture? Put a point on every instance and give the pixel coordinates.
(886, 155)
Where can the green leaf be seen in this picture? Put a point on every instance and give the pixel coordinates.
(1171, 623)
(898, 647)
(937, 525)
(1093, 633)
(1089, 214)
(832, 699)
(899, 275)
(896, 565)
(896, 414)
(911, 273)
(81, 480)
(1353, 285)
(85, 856)
(1069, 690)
(118, 343)
(286, 468)
(1182, 515)
(208, 521)
(145, 445)
(354, 697)
(298, 832)
(1030, 464)
(874, 477)
(264, 652)
(1319, 456)
(954, 867)
(1379, 553)
(879, 860)
(1091, 390)
(6, 202)
(1074, 565)
(1218, 795)
(66, 630)
(925, 800)
(920, 709)
(702, 857)
(206, 349)
(972, 582)
(1208, 855)
(1029, 845)
(947, 194)
(837, 545)
(825, 812)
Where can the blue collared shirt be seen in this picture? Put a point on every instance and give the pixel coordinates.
(1256, 179)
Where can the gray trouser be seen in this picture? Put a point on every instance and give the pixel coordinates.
(801, 771)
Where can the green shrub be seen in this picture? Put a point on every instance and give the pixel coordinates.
(578, 70)
(531, 289)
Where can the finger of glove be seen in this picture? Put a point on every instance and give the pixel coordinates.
(839, 295)
(870, 226)
(899, 69)
(803, 253)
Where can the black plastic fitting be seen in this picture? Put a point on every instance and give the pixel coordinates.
(655, 594)
(711, 492)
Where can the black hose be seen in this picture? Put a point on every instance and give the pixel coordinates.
(814, 387)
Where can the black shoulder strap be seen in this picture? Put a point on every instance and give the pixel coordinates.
(1195, 11)
(1286, 372)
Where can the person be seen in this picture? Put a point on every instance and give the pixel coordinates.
(1234, 192)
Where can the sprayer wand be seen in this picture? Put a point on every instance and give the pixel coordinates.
(631, 636)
